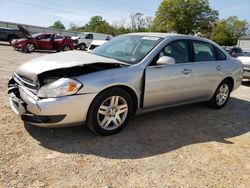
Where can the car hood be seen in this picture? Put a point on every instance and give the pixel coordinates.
(33, 68)
(245, 61)
(74, 37)
(24, 31)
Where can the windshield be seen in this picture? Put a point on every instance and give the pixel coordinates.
(128, 48)
(81, 35)
(35, 35)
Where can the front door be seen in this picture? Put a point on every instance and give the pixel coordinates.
(44, 42)
(169, 84)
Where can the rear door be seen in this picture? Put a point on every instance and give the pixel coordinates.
(57, 42)
(44, 42)
(169, 84)
(207, 69)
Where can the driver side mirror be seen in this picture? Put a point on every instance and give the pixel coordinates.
(165, 60)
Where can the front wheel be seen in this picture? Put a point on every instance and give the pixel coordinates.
(221, 95)
(82, 46)
(30, 47)
(110, 111)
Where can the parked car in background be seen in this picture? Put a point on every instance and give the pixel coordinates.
(95, 43)
(236, 52)
(246, 66)
(131, 74)
(7, 34)
(84, 40)
(42, 41)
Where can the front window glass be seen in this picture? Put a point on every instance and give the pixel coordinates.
(58, 37)
(81, 36)
(178, 50)
(36, 35)
(128, 48)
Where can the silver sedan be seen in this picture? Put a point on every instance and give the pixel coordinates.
(131, 74)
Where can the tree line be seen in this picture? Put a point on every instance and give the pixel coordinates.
(175, 16)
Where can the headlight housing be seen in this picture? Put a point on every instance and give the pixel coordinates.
(58, 88)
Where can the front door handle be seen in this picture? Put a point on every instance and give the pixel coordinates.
(218, 68)
(186, 71)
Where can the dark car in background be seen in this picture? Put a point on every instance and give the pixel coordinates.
(7, 34)
(42, 41)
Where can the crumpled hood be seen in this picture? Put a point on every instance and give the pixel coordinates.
(15, 41)
(245, 61)
(33, 68)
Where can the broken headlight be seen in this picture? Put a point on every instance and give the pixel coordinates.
(58, 88)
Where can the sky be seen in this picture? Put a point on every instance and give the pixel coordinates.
(46, 12)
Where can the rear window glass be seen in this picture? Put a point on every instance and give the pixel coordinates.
(203, 51)
(220, 55)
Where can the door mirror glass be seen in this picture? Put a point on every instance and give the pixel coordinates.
(165, 60)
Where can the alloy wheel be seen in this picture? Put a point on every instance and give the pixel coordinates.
(66, 48)
(222, 94)
(112, 112)
(30, 47)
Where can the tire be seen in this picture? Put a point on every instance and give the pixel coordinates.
(221, 95)
(110, 112)
(66, 48)
(30, 47)
(82, 46)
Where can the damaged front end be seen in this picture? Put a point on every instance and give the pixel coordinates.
(24, 102)
(49, 97)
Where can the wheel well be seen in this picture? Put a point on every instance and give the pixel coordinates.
(132, 94)
(231, 80)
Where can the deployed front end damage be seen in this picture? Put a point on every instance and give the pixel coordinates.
(50, 99)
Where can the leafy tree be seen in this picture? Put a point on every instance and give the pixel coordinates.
(228, 31)
(148, 22)
(185, 16)
(73, 27)
(99, 25)
(57, 25)
(120, 27)
(137, 22)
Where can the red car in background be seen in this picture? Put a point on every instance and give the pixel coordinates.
(42, 41)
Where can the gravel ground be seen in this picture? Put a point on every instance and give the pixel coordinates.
(190, 146)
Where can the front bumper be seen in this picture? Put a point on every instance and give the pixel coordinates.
(50, 112)
(17, 45)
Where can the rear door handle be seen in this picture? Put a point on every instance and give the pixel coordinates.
(186, 71)
(218, 68)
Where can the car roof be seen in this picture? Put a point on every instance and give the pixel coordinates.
(173, 35)
(165, 35)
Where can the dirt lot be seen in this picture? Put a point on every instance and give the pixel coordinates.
(191, 146)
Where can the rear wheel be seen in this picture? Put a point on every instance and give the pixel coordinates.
(82, 46)
(30, 47)
(66, 48)
(110, 112)
(221, 95)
